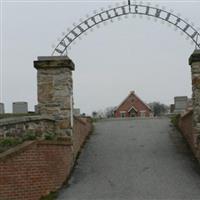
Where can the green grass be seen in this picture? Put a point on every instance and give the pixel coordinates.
(49, 136)
(29, 136)
(8, 143)
(51, 196)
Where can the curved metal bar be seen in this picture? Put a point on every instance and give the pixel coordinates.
(119, 11)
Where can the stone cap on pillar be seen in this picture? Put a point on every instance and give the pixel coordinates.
(45, 62)
(195, 57)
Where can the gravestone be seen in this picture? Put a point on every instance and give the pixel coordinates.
(20, 107)
(2, 109)
(77, 112)
(180, 103)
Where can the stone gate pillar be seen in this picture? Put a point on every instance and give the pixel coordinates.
(194, 61)
(55, 89)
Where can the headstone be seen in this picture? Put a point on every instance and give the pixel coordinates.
(20, 107)
(36, 109)
(77, 112)
(2, 109)
(180, 104)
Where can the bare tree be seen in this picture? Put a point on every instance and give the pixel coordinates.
(158, 108)
(109, 112)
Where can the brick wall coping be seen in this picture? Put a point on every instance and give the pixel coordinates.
(79, 120)
(187, 113)
(20, 148)
(83, 120)
(15, 150)
(22, 119)
(64, 141)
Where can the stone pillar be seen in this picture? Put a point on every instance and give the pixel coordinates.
(55, 90)
(194, 61)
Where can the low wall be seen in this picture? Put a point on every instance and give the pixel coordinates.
(186, 128)
(82, 126)
(35, 168)
(18, 126)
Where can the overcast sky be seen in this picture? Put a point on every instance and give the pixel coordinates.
(132, 54)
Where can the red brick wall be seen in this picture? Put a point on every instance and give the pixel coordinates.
(82, 128)
(185, 125)
(34, 169)
(132, 100)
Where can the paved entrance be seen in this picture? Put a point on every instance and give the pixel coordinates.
(134, 160)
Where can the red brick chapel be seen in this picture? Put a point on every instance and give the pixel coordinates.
(133, 106)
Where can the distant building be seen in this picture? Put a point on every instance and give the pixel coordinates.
(133, 106)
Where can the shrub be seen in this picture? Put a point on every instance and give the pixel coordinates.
(94, 120)
(10, 141)
(49, 136)
(175, 120)
(29, 135)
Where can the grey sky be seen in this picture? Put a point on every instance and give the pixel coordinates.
(131, 54)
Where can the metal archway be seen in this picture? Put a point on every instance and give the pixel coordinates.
(118, 11)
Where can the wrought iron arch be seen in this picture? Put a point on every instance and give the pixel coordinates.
(127, 9)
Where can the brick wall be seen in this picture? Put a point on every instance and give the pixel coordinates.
(33, 169)
(186, 128)
(185, 125)
(82, 128)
